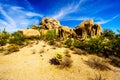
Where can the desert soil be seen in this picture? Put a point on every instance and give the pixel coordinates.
(33, 63)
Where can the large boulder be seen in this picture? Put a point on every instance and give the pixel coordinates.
(30, 33)
(84, 28)
(96, 30)
(65, 31)
(50, 23)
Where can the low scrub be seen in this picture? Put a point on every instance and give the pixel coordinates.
(4, 36)
(97, 77)
(51, 35)
(68, 42)
(17, 38)
(97, 63)
(62, 60)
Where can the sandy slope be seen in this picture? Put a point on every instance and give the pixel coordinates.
(32, 63)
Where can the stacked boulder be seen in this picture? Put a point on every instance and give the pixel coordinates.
(49, 23)
(88, 29)
(84, 30)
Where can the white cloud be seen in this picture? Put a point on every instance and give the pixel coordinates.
(34, 14)
(102, 21)
(79, 19)
(16, 17)
(67, 10)
(8, 18)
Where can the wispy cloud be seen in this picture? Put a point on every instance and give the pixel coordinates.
(79, 18)
(67, 10)
(28, 4)
(34, 14)
(102, 21)
(16, 17)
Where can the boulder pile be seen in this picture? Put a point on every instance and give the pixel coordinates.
(84, 30)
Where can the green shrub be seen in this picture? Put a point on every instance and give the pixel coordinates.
(17, 38)
(3, 37)
(95, 45)
(51, 35)
(68, 42)
(108, 33)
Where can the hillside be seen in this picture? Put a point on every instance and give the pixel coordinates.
(51, 51)
(33, 63)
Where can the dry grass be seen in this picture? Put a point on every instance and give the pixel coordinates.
(66, 63)
(115, 61)
(79, 51)
(63, 61)
(97, 77)
(12, 48)
(97, 63)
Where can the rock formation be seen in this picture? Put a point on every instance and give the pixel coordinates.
(84, 28)
(49, 23)
(88, 29)
(65, 32)
(96, 30)
(30, 33)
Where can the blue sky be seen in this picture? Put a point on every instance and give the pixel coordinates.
(17, 14)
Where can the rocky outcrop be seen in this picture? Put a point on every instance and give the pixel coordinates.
(30, 33)
(88, 29)
(49, 23)
(96, 30)
(84, 28)
(65, 32)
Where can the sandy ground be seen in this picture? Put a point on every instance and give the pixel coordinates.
(32, 63)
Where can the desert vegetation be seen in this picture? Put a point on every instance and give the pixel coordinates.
(104, 46)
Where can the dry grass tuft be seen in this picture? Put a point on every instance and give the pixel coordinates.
(12, 48)
(115, 61)
(63, 61)
(66, 63)
(79, 51)
(97, 63)
(97, 77)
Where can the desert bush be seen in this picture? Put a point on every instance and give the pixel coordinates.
(66, 62)
(62, 60)
(51, 35)
(17, 38)
(97, 77)
(108, 33)
(97, 63)
(51, 42)
(95, 45)
(3, 37)
(68, 42)
(76, 43)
